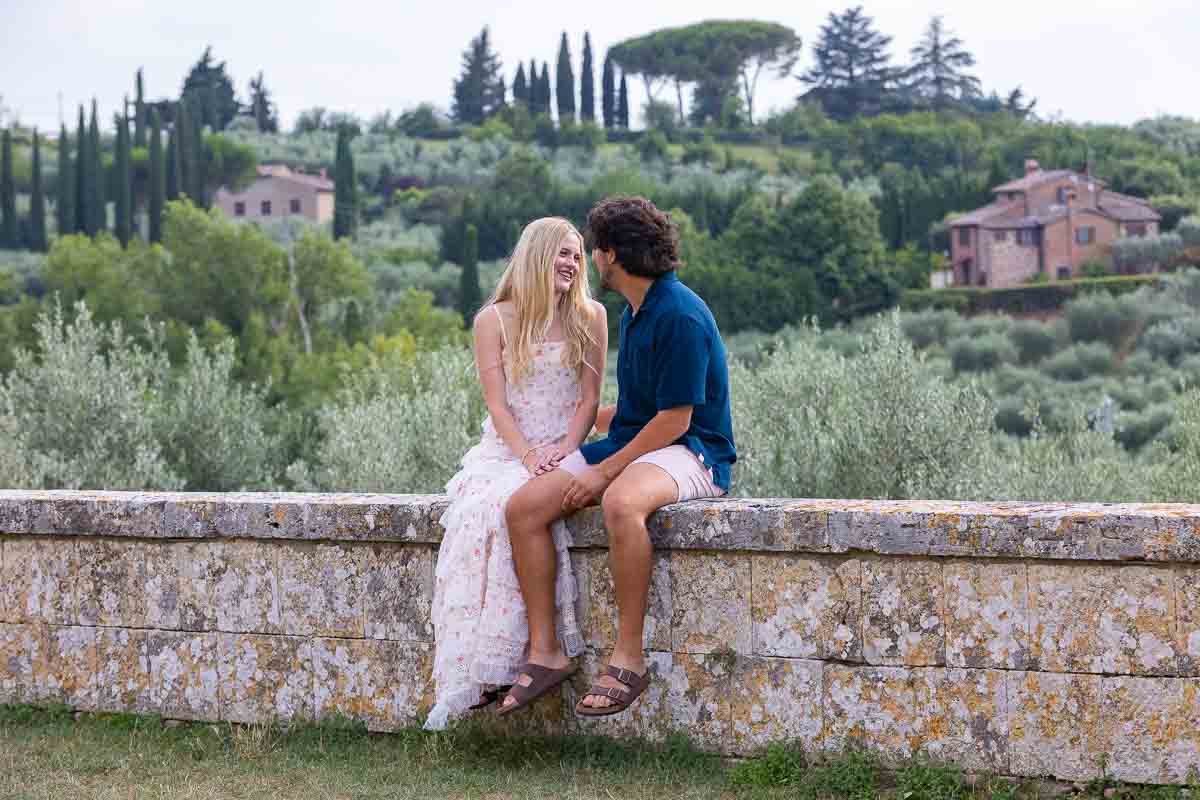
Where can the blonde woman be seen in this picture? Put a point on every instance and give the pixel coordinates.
(540, 345)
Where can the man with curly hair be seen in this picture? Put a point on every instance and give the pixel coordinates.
(669, 439)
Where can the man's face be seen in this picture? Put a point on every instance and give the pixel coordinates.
(604, 266)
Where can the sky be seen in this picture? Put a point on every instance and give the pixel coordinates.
(1084, 60)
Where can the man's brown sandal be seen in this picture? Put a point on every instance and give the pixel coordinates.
(621, 698)
(543, 680)
(489, 696)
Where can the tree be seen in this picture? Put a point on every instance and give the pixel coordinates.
(139, 112)
(544, 91)
(587, 88)
(345, 203)
(564, 84)
(535, 89)
(261, 107)
(82, 190)
(608, 93)
(852, 70)
(322, 271)
(1015, 103)
(469, 295)
(172, 163)
(623, 105)
(124, 181)
(520, 87)
(64, 202)
(938, 70)
(763, 45)
(97, 207)
(9, 236)
(479, 90)
(158, 186)
(210, 94)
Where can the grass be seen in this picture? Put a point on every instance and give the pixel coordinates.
(46, 753)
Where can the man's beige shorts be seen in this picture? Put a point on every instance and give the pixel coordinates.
(692, 479)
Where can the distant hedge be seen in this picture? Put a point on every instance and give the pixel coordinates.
(1016, 299)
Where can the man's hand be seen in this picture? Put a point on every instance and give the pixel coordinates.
(585, 488)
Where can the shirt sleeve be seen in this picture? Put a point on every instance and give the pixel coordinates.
(681, 355)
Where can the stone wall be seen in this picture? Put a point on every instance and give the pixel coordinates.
(1032, 640)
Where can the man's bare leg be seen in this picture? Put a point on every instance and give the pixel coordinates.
(529, 513)
(637, 493)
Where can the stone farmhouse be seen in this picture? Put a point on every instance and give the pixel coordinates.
(278, 191)
(1049, 221)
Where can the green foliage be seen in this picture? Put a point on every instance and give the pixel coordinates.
(564, 83)
(981, 353)
(852, 69)
(123, 174)
(587, 87)
(1021, 299)
(38, 240)
(938, 71)
(470, 298)
(345, 209)
(157, 190)
(9, 238)
(608, 93)
(653, 146)
(209, 92)
(479, 89)
(64, 204)
(1080, 362)
(1034, 340)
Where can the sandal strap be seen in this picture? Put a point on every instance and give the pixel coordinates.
(625, 676)
(611, 692)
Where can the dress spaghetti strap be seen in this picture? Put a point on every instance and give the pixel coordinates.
(503, 334)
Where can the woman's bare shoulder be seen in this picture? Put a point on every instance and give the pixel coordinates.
(599, 309)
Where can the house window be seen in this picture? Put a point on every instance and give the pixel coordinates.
(999, 236)
(295, 205)
(1085, 235)
(1027, 237)
(1064, 273)
(964, 237)
(239, 209)
(1062, 195)
(266, 208)
(1135, 229)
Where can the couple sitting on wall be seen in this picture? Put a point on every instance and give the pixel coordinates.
(504, 593)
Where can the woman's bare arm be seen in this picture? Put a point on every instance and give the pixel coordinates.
(489, 361)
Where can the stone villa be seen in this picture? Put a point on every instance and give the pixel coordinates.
(1051, 221)
(279, 192)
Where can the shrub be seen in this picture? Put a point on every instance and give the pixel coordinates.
(1173, 339)
(653, 146)
(1034, 340)
(1099, 317)
(1079, 362)
(981, 353)
(925, 328)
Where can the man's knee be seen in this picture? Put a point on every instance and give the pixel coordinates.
(622, 506)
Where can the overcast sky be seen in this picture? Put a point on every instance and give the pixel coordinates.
(1088, 60)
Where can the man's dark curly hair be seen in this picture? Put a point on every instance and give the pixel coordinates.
(645, 240)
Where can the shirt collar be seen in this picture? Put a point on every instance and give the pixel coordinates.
(655, 290)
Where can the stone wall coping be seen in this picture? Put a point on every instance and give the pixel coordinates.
(1073, 531)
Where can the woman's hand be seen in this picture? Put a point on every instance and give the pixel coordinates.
(543, 459)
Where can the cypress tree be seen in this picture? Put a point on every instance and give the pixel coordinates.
(565, 83)
(345, 197)
(64, 203)
(623, 105)
(544, 99)
(196, 166)
(139, 113)
(535, 88)
(37, 202)
(82, 193)
(158, 187)
(608, 93)
(97, 210)
(9, 237)
(171, 163)
(469, 296)
(124, 181)
(587, 88)
(520, 89)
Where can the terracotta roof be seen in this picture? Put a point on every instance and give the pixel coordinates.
(982, 215)
(283, 172)
(1127, 209)
(1033, 179)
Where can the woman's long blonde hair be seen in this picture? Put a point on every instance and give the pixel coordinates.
(528, 282)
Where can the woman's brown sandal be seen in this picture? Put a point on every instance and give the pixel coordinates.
(621, 698)
(489, 696)
(543, 680)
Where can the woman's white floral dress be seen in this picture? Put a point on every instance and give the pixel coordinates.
(478, 613)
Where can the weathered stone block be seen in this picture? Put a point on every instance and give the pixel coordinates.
(872, 708)
(229, 586)
(687, 694)
(125, 583)
(710, 595)
(904, 611)
(16, 662)
(265, 678)
(1152, 729)
(1187, 611)
(321, 587)
(807, 607)
(183, 674)
(776, 700)
(398, 580)
(1103, 619)
(39, 581)
(987, 614)
(64, 666)
(123, 671)
(1176, 536)
(384, 684)
(600, 619)
(1055, 725)
(965, 717)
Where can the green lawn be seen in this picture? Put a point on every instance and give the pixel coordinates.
(48, 754)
